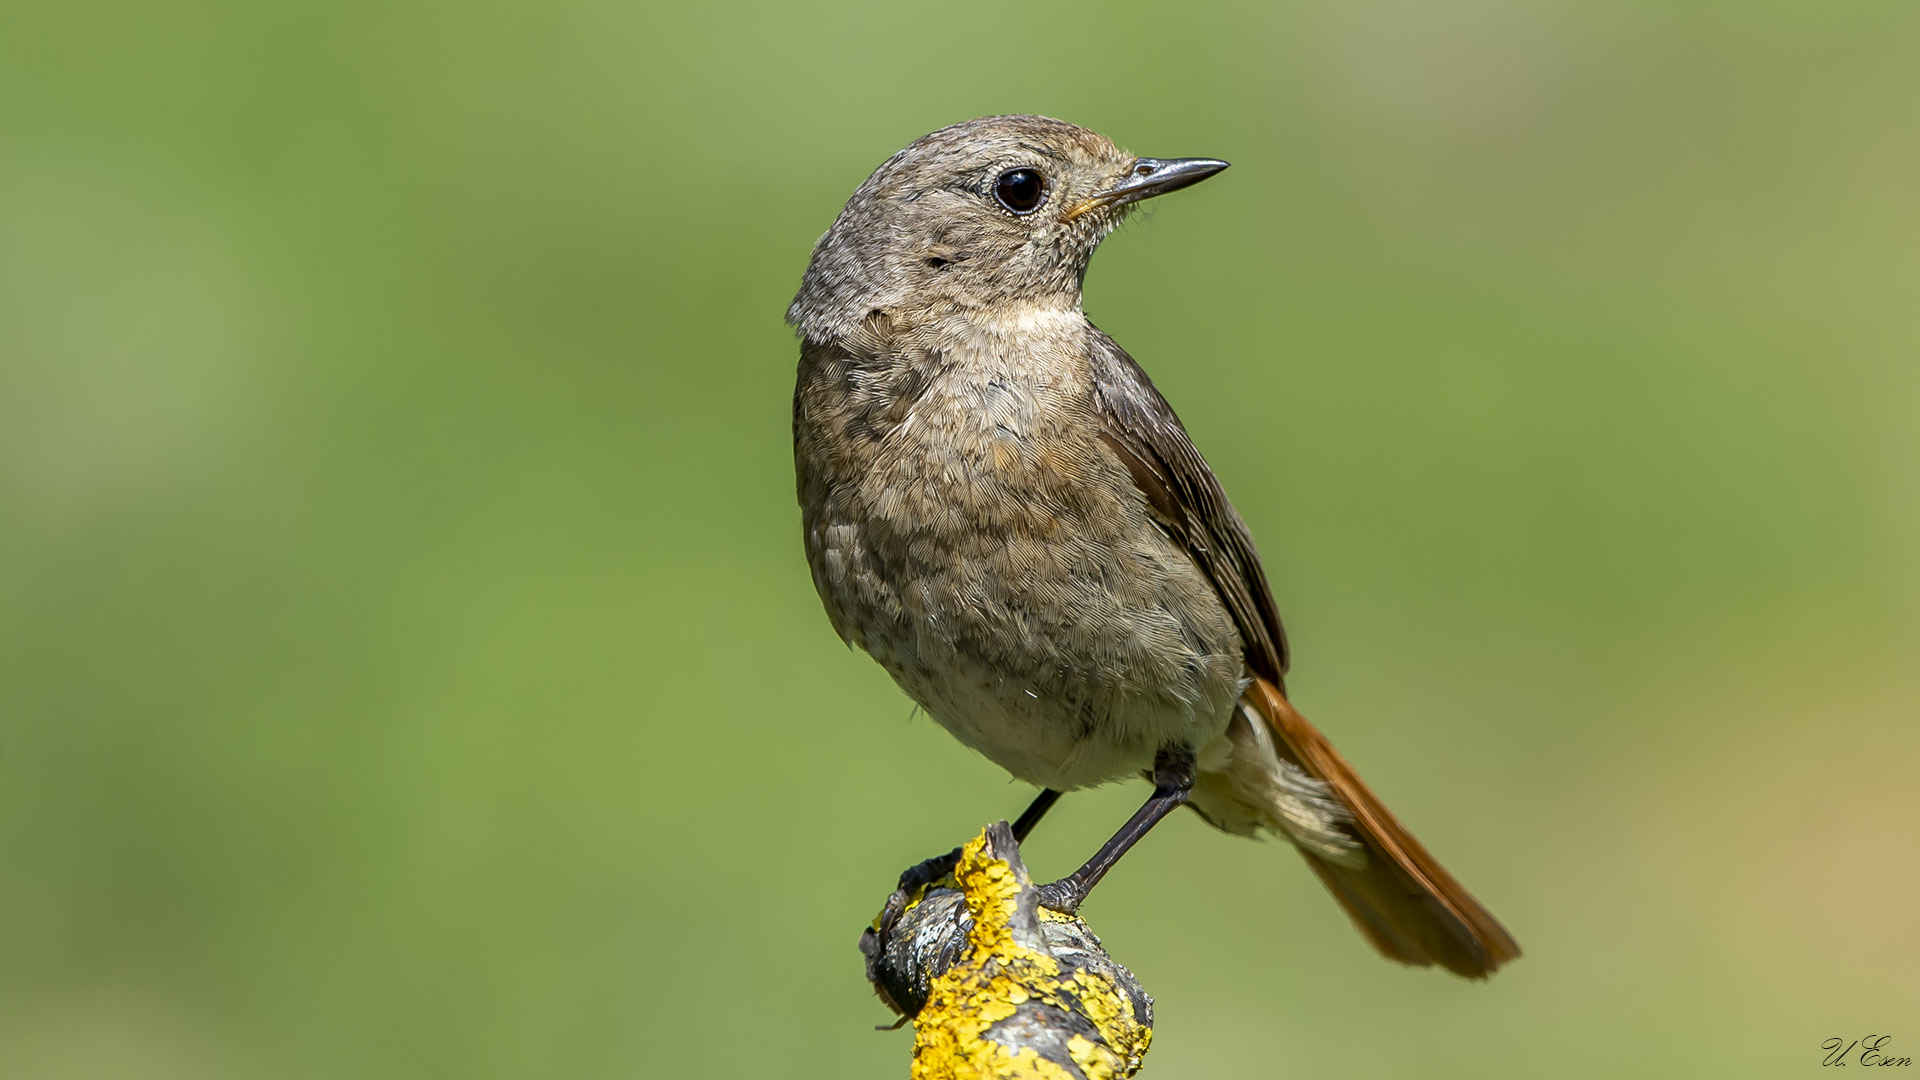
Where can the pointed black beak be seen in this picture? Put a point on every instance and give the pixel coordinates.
(1150, 177)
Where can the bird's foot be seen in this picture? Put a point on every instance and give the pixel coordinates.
(913, 884)
(1063, 896)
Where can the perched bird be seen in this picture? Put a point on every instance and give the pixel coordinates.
(1003, 512)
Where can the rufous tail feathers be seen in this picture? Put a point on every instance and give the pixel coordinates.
(1399, 896)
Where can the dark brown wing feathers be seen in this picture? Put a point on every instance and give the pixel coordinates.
(1403, 901)
(1148, 437)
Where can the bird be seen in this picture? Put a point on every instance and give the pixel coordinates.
(1000, 508)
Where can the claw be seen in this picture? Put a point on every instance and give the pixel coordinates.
(913, 886)
(1061, 896)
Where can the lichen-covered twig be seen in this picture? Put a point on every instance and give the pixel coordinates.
(999, 988)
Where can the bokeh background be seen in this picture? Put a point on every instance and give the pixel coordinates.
(407, 663)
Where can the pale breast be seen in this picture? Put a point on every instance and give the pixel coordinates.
(969, 531)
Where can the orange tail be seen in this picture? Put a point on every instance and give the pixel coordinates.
(1403, 900)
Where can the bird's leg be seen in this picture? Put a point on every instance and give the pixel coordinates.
(922, 874)
(1172, 783)
(1031, 816)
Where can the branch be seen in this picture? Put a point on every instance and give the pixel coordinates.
(998, 987)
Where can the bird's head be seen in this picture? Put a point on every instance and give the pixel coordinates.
(1003, 209)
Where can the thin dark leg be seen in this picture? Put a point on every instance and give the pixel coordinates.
(922, 874)
(926, 872)
(1031, 816)
(1172, 783)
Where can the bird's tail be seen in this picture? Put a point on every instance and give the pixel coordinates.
(1275, 770)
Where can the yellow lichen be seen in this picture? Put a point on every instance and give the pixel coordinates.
(1095, 1061)
(995, 976)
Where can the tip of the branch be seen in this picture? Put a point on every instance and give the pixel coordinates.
(992, 981)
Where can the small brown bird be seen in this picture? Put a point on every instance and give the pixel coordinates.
(1001, 509)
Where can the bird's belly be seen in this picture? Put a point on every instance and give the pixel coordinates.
(1062, 733)
(1015, 585)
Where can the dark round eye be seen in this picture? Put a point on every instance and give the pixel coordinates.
(1019, 190)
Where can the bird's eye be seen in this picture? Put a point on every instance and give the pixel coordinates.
(1020, 190)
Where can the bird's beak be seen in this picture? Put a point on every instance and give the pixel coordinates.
(1150, 177)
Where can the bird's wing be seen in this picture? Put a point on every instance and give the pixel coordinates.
(1399, 896)
(1142, 430)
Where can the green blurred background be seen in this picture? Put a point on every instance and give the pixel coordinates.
(407, 663)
